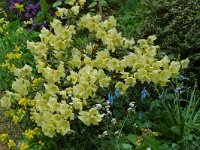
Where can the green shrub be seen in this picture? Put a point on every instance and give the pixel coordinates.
(176, 23)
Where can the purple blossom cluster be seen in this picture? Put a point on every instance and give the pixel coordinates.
(31, 9)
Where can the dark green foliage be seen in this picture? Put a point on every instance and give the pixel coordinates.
(129, 16)
(176, 23)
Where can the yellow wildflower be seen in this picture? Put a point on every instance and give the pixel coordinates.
(41, 142)
(24, 146)
(18, 55)
(11, 143)
(10, 56)
(3, 136)
(18, 6)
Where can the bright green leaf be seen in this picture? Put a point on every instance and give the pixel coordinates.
(44, 5)
(126, 146)
(132, 138)
(92, 5)
(58, 3)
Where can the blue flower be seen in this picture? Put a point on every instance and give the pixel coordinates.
(110, 98)
(143, 94)
(181, 77)
(117, 92)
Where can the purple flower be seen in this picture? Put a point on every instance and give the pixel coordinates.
(11, 8)
(28, 15)
(30, 7)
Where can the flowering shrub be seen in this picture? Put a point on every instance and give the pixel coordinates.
(74, 73)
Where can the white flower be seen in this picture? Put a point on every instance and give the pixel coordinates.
(98, 106)
(105, 133)
(132, 104)
(113, 121)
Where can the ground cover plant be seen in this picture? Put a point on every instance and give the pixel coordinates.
(13, 50)
(80, 83)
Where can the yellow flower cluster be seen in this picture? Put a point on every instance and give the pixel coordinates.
(36, 81)
(19, 7)
(90, 117)
(31, 133)
(3, 136)
(16, 114)
(73, 75)
(11, 143)
(24, 146)
(139, 140)
(26, 102)
(148, 132)
(17, 54)
(76, 5)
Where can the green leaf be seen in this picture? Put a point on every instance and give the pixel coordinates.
(92, 5)
(176, 130)
(175, 146)
(151, 142)
(39, 19)
(103, 3)
(69, 2)
(49, 17)
(188, 137)
(44, 5)
(126, 146)
(51, 145)
(58, 3)
(132, 138)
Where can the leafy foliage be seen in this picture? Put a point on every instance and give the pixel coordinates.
(176, 23)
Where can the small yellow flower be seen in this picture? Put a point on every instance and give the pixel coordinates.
(10, 56)
(15, 119)
(29, 134)
(18, 55)
(12, 68)
(11, 143)
(41, 142)
(3, 136)
(139, 140)
(18, 6)
(24, 146)
(58, 14)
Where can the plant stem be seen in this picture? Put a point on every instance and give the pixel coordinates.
(100, 8)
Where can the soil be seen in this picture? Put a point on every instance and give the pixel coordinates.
(3, 129)
(6, 127)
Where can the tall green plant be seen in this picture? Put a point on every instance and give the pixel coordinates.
(177, 123)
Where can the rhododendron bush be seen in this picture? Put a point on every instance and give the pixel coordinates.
(71, 75)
